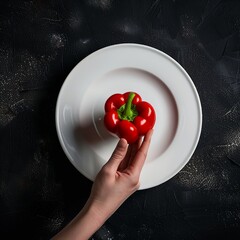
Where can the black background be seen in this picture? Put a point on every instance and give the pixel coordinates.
(41, 41)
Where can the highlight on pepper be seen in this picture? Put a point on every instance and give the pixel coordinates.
(127, 116)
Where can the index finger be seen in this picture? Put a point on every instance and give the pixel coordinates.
(141, 155)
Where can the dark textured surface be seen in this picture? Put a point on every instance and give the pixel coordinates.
(41, 41)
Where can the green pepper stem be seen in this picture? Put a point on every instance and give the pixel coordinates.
(128, 109)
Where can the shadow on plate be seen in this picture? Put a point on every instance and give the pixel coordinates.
(91, 131)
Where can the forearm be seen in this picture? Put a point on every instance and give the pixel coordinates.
(84, 225)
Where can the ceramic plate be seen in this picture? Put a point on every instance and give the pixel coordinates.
(159, 80)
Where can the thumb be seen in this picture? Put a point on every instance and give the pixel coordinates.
(118, 155)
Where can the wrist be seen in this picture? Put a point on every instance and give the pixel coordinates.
(97, 210)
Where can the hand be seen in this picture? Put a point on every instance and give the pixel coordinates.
(119, 177)
(115, 182)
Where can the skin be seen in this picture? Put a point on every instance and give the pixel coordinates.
(116, 181)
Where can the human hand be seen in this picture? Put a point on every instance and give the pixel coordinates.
(119, 177)
(115, 182)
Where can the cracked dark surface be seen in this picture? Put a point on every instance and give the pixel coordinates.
(41, 41)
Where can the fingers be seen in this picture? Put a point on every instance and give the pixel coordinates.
(140, 157)
(132, 149)
(125, 161)
(134, 155)
(135, 147)
(118, 155)
(130, 155)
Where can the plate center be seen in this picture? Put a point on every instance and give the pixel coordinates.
(151, 89)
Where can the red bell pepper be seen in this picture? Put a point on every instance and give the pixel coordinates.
(127, 116)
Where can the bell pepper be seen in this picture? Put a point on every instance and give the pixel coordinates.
(127, 116)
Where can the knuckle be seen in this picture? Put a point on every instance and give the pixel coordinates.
(118, 154)
(106, 170)
(134, 183)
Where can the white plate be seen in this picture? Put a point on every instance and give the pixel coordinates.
(159, 79)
